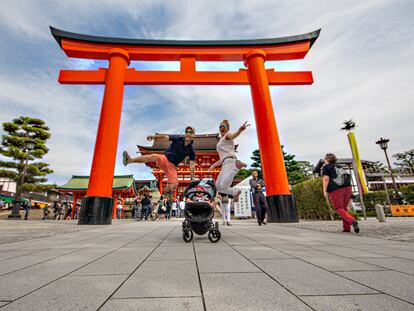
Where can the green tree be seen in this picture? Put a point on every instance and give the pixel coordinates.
(14, 146)
(257, 162)
(376, 167)
(297, 171)
(242, 174)
(405, 160)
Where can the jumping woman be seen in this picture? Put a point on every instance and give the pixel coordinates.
(228, 160)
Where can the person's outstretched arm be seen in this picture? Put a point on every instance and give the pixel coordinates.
(231, 136)
(158, 137)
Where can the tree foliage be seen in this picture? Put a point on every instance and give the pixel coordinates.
(242, 174)
(14, 147)
(405, 160)
(297, 171)
(376, 167)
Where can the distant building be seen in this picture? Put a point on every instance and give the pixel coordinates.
(7, 186)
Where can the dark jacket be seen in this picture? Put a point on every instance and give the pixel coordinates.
(254, 182)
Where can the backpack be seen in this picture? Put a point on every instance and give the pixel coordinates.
(343, 177)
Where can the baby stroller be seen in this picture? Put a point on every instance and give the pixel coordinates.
(199, 211)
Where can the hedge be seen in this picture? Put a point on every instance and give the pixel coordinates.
(309, 199)
(311, 203)
(380, 197)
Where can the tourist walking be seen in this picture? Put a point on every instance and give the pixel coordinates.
(46, 212)
(161, 207)
(259, 200)
(135, 205)
(119, 209)
(182, 207)
(27, 206)
(180, 148)
(337, 188)
(68, 215)
(174, 208)
(228, 160)
(225, 209)
(168, 205)
(145, 207)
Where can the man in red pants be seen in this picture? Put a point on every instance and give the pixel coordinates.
(337, 187)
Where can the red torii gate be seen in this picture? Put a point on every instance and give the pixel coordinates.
(97, 205)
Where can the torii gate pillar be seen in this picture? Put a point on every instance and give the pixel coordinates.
(278, 196)
(97, 205)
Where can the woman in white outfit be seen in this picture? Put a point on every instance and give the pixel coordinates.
(228, 160)
(225, 210)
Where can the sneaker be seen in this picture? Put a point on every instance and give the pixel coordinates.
(236, 197)
(125, 158)
(228, 224)
(355, 226)
(260, 223)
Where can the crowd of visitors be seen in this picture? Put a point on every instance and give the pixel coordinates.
(59, 210)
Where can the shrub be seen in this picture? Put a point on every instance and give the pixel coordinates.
(408, 193)
(309, 199)
(380, 197)
(373, 198)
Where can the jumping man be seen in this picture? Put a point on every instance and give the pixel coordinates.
(180, 148)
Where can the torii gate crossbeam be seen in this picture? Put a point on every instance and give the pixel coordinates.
(96, 207)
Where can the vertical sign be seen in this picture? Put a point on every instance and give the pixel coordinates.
(243, 208)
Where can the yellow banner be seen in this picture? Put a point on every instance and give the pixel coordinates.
(357, 159)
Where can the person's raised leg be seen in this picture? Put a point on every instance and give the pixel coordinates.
(225, 179)
(170, 189)
(126, 159)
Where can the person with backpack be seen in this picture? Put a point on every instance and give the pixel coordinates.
(337, 187)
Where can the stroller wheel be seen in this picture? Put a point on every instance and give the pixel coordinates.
(214, 235)
(153, 216)
(188, 235)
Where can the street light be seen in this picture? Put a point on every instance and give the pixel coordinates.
(383, 143)
(29, 146)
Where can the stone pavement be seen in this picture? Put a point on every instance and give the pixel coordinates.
(146, 266)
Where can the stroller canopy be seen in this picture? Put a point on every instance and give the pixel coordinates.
(203, 190)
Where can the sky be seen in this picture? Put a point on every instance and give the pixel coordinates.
(362, 63)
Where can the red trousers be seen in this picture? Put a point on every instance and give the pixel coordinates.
(340, 199)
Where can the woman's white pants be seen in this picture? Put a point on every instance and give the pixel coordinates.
(225, 211)
(226, 176)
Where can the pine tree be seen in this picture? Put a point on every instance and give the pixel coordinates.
(14, 146)
(405, 160)
(257, 162)
(297, 171)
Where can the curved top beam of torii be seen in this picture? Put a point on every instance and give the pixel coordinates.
(97, 47)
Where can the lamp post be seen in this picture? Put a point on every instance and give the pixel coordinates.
(15, 214)
(383, 143)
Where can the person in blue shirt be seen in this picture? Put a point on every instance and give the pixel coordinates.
(180, 148)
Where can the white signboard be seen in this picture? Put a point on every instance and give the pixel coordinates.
(243, 208)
